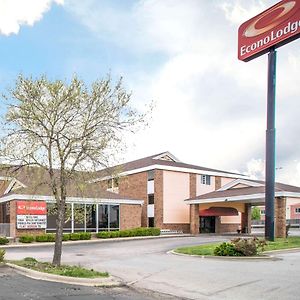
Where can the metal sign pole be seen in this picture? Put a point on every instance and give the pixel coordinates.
(270, 148)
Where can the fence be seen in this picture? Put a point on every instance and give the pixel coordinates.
(5, 229)
(261, 223)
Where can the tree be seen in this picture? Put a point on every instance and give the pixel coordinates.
(255, 213)
(65, 128)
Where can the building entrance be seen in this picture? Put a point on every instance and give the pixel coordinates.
(207, 224)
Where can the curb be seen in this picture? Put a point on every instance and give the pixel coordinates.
(20, 245)
(241, 258)
(290, 250)
(96, 282)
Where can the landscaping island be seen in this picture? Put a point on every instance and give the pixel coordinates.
(210, 249)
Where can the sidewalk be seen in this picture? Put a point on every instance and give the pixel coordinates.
(93, 240)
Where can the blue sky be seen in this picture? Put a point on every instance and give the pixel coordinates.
(210, 108)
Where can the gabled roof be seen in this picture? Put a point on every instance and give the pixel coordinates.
(255, 192)
(158, 161)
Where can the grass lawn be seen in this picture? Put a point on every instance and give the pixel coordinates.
(63, 270)
(208, 249)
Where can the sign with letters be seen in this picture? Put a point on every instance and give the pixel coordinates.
(275, 27)
(31, 215)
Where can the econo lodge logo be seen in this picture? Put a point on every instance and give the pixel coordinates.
(269, 28)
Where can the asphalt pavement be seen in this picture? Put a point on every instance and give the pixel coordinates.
(146, 264)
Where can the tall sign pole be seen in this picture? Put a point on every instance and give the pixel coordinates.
(270, 148)
(275, 27)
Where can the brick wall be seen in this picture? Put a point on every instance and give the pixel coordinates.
(158, 199)
(218, 182)
(130, 216)
(135, 186)
(280, 217)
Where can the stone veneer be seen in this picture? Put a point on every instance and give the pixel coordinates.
(130, 216)
(280, 217)
(158, 199)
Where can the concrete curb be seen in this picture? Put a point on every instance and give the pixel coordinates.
(290, 250)
(237, 258)
(36, 244)
(100, 282)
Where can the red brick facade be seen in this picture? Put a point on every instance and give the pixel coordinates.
(130, 216)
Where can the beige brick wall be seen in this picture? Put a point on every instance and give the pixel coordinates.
(135, 186)
(158, 199)
(130, 216)
(280, 217)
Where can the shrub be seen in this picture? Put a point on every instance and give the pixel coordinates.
(75, 236)
(85, 235)
(3, 240)
(66, 237)
(26, 239)
(30, 259)
(49, 237)
(249, 247)
(129, 232)
(226, 249)
(2, 254)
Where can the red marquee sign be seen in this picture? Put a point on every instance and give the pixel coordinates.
(31, 208)
(278, 25)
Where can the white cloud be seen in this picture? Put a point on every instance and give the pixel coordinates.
(16, 13)
(210, 107)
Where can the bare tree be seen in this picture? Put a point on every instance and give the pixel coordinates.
(65, 127)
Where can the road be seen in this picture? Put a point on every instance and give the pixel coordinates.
(146, 264)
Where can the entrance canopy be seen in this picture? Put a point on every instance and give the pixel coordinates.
(218, 212)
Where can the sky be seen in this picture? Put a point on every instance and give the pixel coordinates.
(210, 108)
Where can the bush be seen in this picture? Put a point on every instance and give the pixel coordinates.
(129, 232)
(2, 254)
(85, 235)
(3, 240)
(26, 239)
(75, 236)
(66, 237)
(49, 237)
(30, 259)
(226, 249)
(249, 247)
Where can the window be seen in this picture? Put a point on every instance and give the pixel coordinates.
(113, 183)
(150, 175)
(262, 212)
(151, 199)
(205, 179)
(150, 222)
(297, 210)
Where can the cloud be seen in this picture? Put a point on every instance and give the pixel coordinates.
(210, 107)
(16, 13)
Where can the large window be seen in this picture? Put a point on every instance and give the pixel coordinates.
(79, 217)
(297, 210)
(90, 211)
(102, 217)
(114, 216)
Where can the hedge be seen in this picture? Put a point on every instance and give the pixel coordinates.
(3, 240)
(50, 237)
(129, 232)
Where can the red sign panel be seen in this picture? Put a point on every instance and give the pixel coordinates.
(274, 27)
(31, 208)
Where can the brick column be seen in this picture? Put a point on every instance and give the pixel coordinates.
(280, 217)
(218, 183)
(246, 218)
(193, 185)
(194, 218)
(158, 198)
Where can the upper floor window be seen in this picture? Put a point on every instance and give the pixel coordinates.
(150, 175)
(113, 183)
(297, 210)
(205, 179)
(151, 199)
(262, 212)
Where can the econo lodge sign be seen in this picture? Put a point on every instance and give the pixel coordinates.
(274, 27)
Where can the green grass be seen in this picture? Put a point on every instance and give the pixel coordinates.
(208, 249)
(63, 270)
(289, 243)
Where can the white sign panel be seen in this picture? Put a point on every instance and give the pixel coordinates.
(31, 221)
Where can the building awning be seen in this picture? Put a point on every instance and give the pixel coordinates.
(218, 211)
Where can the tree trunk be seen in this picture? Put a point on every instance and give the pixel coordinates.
(59, 234)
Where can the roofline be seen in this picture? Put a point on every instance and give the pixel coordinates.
(172, 168)
(168, 154)
(51, 199)
(240, 181)
(259, 196)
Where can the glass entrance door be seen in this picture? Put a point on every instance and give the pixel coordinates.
(207, 224)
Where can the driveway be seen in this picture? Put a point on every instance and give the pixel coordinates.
(146, 264)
